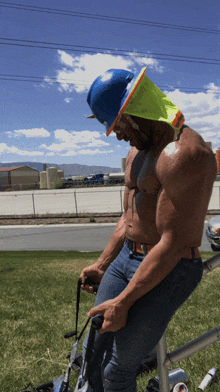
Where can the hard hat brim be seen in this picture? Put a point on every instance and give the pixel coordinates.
(126, 99)
(129, 94)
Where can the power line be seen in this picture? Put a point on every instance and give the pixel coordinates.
(52, 80)
(107, 17)
(94, 49)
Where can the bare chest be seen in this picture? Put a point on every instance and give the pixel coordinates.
(141, 174)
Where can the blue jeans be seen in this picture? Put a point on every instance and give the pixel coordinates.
(117, 356)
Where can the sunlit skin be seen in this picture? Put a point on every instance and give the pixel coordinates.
(128, 130)
(169, 180)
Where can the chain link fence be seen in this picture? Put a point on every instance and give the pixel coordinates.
(19, 187)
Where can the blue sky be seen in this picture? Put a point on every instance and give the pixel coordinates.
(44, 80)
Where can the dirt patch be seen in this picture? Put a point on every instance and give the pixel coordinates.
(59, 220)
(55, 220)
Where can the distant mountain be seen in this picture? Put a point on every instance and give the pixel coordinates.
(69, 169)
(81, 170)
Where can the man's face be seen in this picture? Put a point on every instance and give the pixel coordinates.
(127, 129)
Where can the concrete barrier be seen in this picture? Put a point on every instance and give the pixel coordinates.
(73, 201)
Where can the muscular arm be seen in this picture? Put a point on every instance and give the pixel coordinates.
(154, 268)
(187, 188)
(97, 270)
(178, 189)
(114, 246)
(160, 261)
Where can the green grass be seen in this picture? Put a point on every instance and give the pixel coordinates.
(38, 299)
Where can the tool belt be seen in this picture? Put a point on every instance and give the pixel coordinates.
(144, 249)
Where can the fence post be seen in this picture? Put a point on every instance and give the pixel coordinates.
(75, 203)
(33, 203)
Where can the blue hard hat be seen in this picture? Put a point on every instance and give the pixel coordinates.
(110, 93)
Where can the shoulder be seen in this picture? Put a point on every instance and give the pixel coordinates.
(131, 154)
(186, 160)
(135, 159)
(134, 163)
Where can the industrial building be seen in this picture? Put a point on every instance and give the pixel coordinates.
(19, 177)
(49, 177)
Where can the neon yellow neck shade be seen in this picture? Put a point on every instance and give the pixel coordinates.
(150, 102)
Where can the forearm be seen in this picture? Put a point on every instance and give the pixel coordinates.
(152, 270)
(114, 246)
(160, 261)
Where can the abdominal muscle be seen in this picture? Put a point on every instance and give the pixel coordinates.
(140, 222)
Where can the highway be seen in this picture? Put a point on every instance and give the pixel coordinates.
(83, 238)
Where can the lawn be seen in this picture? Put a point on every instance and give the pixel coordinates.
(38, 299)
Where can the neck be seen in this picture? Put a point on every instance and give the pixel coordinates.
(162, 135)
(177, 133)
(159, 132)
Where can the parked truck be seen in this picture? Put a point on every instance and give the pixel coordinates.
(94, 179)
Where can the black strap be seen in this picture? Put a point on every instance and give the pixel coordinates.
(81, 333)
(75, 333)
(77, 305)
(77, 312)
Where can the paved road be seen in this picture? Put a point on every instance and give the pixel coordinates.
(90, 237)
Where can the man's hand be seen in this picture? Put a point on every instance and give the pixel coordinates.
(115, 315)
(94, 274)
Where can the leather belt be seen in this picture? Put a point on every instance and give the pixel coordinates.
(196, 254)
(144, 249)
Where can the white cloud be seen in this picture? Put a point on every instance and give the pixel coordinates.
(76, 137)
(4, 149)
(66, 58)
(201, 111)
(87, 152)
(79, 72)
(97, 143)
(48, 80)
(10, 134)
(212, 88)
(74, 143)
(68, 100)
(56, 147)
(30, 133)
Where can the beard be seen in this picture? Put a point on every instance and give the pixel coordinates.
(144, 142)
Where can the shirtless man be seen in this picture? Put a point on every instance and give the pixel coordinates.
(151, 264)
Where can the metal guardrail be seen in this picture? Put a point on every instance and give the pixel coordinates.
(165, 359)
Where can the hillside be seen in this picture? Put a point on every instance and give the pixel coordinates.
(69, 169)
